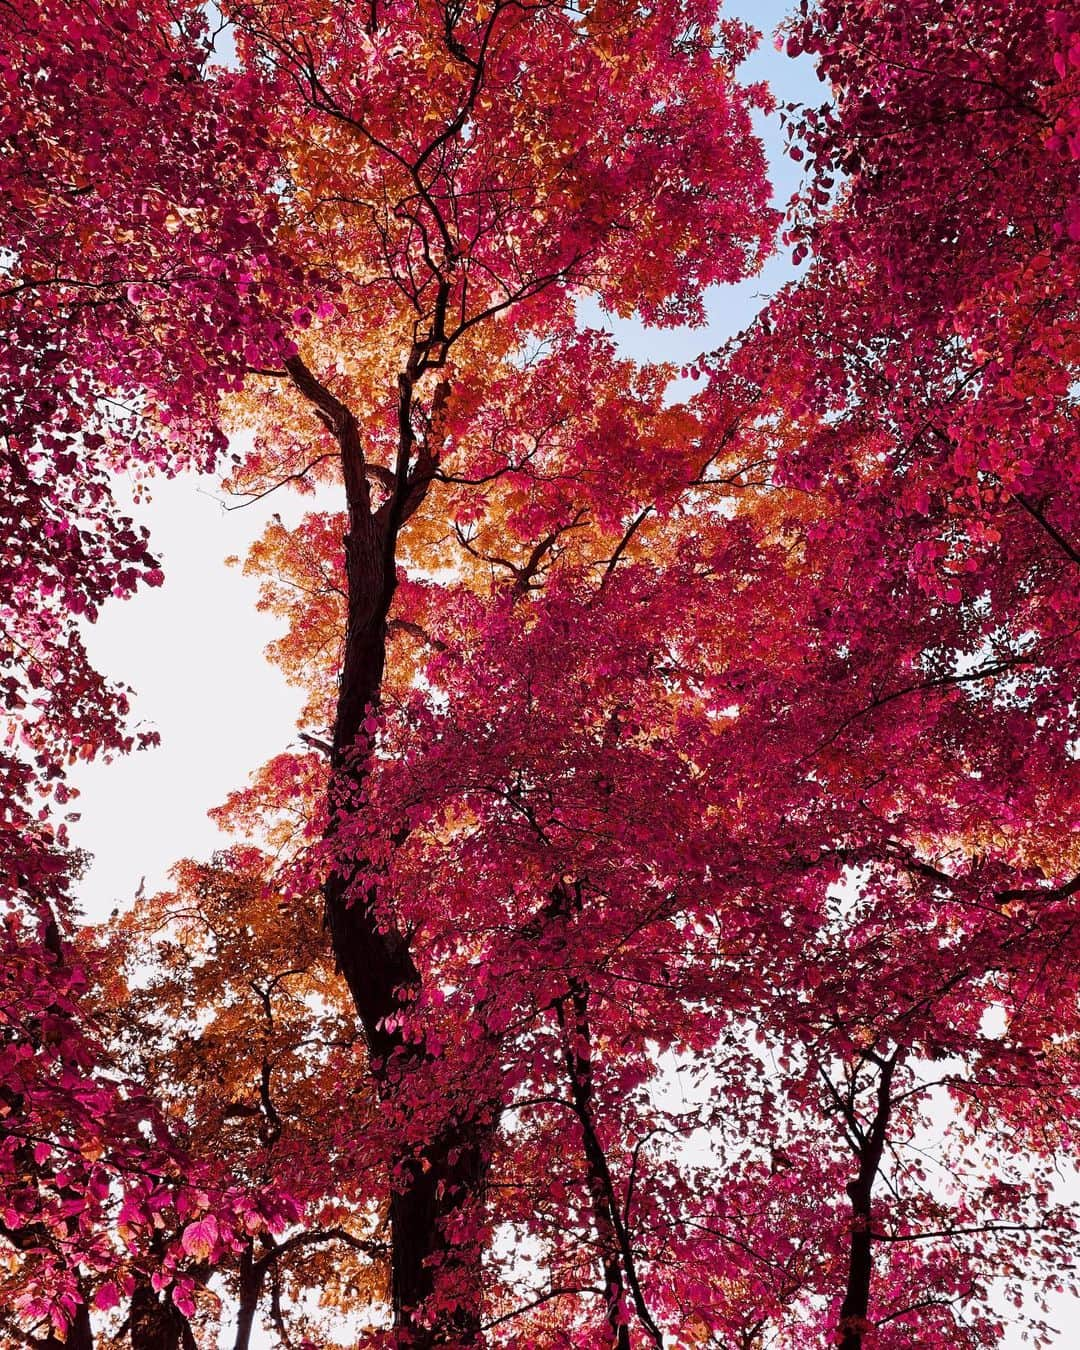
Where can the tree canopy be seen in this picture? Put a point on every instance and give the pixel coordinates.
(661, 928)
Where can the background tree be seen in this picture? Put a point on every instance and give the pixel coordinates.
(226, 1000)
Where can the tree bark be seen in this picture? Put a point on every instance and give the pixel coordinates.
(80, 1334)
(154, 1323)
(855, 1308)
(432, 1187)
(252, 1274)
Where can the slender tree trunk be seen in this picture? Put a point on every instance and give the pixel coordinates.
(575, 1038)
(856, 1305)
(251, 1281)
(245, 1320)
(617, 1256)
(854, 1311)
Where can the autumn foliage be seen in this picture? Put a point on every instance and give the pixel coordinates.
(660, 929)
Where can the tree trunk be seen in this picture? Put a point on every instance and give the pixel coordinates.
(856, 1305)
(576, 1039)
(854, 1311)
(251, 1282)
(155, 1324)
(619, 1266)
(80, 1334)
(431, 1189)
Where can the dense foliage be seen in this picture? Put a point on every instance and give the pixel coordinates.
(663, 931)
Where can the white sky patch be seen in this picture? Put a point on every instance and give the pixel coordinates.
(193, 652)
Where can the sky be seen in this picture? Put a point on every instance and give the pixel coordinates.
(193, 649)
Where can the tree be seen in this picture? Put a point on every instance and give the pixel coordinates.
(460, 212)
(227, 1001)
(635, 729)
(930, 356)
